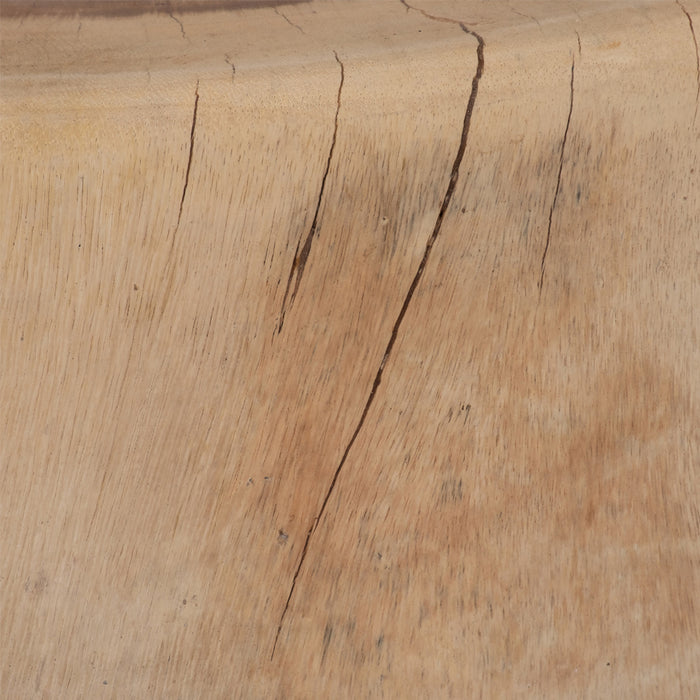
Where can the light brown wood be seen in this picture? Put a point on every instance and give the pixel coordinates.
(465, 461)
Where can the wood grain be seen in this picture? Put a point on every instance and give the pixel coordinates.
(350, 349)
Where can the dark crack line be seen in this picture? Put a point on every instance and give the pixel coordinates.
(558, 187)
(530, 17)
(227, 59)
(454, 175)
(170, 266)
(288, 21)
(182, 26)
(189, 158)
(578, 39)
(300, 259)
(446, 20)
(697, 58)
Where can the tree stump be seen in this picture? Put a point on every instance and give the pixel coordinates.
(350, 349)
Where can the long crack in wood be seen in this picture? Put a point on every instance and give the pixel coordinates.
(229, 61)
(454, 176)
(532, 18)
(182, 26)
(300, 258)
(561, 167)
(288, 21)
(189, 157)
(697, 58)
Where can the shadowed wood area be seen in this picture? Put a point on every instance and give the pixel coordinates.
(350, 349)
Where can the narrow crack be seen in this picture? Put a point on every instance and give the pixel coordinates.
(578, 39)
(189, 158)
(561, 167)
(300, 258)
(526, 16)
(229, 60)
(287, 20)
(697, 57)
(454, 176)
(182, 26)
(170, 269)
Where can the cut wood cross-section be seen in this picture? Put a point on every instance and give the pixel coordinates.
(349, 349)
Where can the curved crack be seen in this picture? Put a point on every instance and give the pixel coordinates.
(229, 61)
(561, 167)
(697, 57)
(189, 158)
(300, 258)
(532, 18)
(447, 198)
(169, 272)
(288, 21)
(182, 26)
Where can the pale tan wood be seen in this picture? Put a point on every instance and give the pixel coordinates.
(518, 513)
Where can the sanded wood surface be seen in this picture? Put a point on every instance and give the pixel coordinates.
(350, 349)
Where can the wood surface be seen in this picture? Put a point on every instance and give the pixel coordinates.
(350, 349)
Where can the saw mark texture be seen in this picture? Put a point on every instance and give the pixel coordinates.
(447, 198)
(300, 258)
(558, 187)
